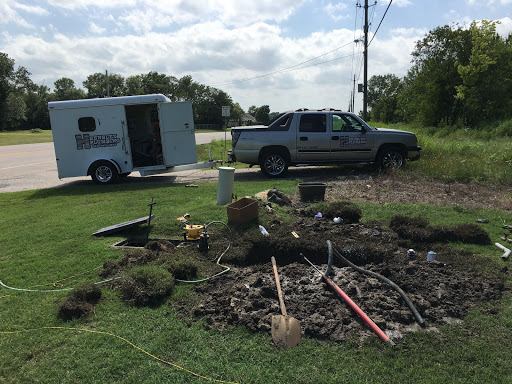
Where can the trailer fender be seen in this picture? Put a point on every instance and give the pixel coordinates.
(95, 163)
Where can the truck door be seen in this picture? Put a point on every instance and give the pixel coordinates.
(178, 135)
(350, 140)
(313, 141)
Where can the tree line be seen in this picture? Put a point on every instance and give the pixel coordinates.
(459, 77)
(24, 104)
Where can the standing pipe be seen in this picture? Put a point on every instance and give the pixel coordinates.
(353, 305)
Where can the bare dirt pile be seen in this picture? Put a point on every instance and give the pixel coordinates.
(443, 290)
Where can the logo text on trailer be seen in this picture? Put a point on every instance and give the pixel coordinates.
(87, 141)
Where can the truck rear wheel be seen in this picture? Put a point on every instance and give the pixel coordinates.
(104, 172)
(390, 158)
(273, 164)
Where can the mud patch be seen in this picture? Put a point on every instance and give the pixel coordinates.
(443, 290)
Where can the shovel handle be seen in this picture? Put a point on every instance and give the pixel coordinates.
(279, 292)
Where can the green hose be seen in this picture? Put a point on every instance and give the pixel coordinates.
(227, 269)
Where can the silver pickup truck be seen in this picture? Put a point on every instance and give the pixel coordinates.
(320, 137)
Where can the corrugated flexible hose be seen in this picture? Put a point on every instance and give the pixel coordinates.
(404, 296)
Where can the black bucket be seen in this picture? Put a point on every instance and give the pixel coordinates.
(312, 191)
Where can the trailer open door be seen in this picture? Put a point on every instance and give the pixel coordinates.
(178, 134)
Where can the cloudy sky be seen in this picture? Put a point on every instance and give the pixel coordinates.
(285, 53)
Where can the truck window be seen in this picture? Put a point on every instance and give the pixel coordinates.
(282, 124)
(345, 123)
(86, 124)
(337, 123)
(312, 123)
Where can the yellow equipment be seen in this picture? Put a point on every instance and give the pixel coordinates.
(193, 232)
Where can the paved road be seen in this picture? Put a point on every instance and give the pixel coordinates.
(33, 166)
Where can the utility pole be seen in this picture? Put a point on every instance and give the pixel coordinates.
(365, 85)
(354, 95)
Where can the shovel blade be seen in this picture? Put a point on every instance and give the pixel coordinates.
(285, 331)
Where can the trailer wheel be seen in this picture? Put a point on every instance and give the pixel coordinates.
(104, 172)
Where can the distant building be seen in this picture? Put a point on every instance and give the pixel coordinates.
(246, 119)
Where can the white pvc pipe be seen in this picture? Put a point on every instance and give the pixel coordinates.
(504, 249)
(225, 187)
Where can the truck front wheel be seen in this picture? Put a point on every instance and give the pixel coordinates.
(273, 164)
(390, 158)
(104, 172)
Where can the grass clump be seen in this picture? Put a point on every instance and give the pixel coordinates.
(418, 229)
(349, 212)
(146, 285)
(182, 269)
(80, 302)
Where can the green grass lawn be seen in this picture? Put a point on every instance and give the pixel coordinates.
(462, 155)
(25, 137)
(46, 237)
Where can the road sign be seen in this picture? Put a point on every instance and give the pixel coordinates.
(225, 111)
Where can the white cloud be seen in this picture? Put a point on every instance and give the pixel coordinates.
(337, 11)
(31, 9)
(488, 2)
(402, 3)
(504, 28)
(145, 15)
(209, 52)
(409, 32)
(11, 15)
(94, 28)
(82, 4)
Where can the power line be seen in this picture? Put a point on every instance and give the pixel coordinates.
(288, 69)
(383, 16)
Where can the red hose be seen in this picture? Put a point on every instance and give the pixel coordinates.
(358, 310)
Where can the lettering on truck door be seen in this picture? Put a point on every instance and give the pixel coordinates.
(349, 141)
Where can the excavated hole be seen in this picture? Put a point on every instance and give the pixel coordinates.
(443, 290)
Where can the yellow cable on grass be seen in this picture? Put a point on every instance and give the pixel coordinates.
(67, 278)
(126, 341)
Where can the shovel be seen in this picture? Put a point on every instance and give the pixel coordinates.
(285, 329)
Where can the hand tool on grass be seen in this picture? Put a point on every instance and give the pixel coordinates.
(285, 329)
(353, 305)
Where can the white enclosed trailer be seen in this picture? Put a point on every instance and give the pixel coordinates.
(111, 137)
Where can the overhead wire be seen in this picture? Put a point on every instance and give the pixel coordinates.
(383, 16)
(288, 69)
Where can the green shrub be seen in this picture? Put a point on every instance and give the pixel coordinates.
(146, 285)
(36, 130)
